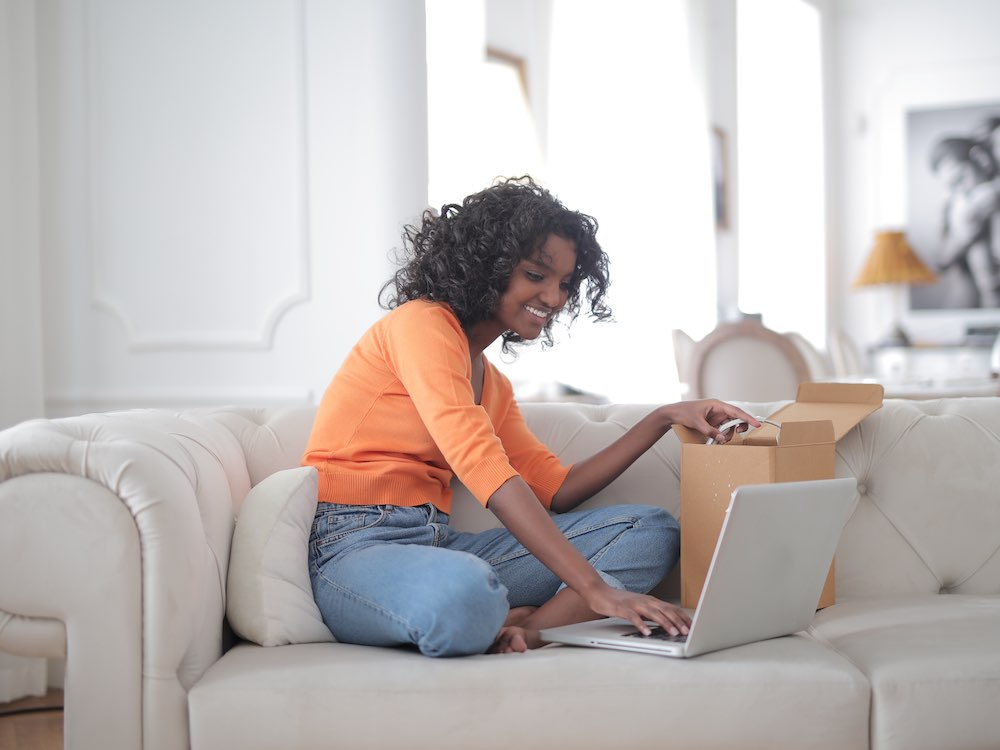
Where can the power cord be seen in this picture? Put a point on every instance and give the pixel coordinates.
(733, 424)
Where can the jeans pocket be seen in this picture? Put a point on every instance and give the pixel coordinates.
(335, 522)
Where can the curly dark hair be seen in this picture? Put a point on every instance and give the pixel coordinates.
(465, 255)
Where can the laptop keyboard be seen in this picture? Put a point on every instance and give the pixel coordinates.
(657, 633)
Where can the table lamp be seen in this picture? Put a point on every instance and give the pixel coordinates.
(893, 262)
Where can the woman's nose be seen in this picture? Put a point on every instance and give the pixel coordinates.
(553, 296)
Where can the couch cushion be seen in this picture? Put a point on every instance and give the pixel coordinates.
(269, 596)
(785, 693)
(928, 514)
(933, 663)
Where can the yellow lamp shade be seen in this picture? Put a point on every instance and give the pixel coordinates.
(892, 261)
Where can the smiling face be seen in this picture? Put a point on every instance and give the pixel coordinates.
(537, 290)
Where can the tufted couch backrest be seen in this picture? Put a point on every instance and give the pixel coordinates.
(928, 517)
(928, 513)
(927, 520)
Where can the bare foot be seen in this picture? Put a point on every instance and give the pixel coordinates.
(517, 614)
(513, 639)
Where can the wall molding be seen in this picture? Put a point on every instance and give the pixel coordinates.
(138, 338)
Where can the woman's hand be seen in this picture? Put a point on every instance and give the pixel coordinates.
(637, 609)
(591, 475)
(706, 415)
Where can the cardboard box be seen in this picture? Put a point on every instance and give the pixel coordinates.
(804, 448)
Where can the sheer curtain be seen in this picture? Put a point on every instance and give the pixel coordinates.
(479, 121)
(628, 144)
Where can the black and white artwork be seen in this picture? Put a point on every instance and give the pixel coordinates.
(953, 199)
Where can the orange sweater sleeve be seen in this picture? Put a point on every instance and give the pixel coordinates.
(529, 456)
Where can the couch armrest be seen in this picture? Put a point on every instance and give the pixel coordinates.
(71, 586)
(119, 527)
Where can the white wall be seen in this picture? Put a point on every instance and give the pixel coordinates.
(891, 55)
(221, 182)
(21, 371)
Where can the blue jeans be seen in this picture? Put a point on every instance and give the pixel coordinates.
(385, 575)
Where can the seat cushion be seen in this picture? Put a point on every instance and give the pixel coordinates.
(785, 693)
(934, 666)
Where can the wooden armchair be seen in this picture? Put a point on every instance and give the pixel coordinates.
(746, 361)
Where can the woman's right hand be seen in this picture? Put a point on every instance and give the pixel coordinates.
(519, 510)
(637, 609)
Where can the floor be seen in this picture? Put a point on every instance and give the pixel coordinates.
(38, 725)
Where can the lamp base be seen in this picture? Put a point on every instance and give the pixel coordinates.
(896, 337)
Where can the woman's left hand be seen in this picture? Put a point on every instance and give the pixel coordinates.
(706, 415)
(589, 476)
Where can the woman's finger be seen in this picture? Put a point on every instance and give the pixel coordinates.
(675, 621)
(638, 621)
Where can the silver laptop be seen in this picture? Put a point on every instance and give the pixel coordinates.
(765, 579)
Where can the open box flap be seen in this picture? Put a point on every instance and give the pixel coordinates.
(806, 432)
(843, 404)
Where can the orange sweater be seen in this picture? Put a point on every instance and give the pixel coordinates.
(399, 420)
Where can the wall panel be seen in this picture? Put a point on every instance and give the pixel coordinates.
(222, 182)
(198, 162)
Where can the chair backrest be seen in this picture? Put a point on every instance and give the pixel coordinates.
(819, 362)
(847, 358)
(745, 361)
(683, 346)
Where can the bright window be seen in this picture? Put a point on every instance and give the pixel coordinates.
(627, 143)
(480, 124)
(781, 197)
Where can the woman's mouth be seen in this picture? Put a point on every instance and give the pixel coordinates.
(537, 312)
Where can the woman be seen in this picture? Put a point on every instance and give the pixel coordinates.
(969, 172)
(416, 402)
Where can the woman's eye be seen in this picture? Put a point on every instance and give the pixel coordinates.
(534, 276)
(565, 286)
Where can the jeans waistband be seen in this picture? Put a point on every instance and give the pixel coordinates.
(426, 513)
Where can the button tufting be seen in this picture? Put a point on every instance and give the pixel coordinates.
(862, 488)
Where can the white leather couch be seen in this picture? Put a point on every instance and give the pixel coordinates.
(115, 534)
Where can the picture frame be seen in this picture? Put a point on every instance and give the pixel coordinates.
(718, 144)
(894, 204)
(518, 63)
(953, 216)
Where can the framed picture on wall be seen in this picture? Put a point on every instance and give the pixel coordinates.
(912, 108)
(720, 178)
(953, 197)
